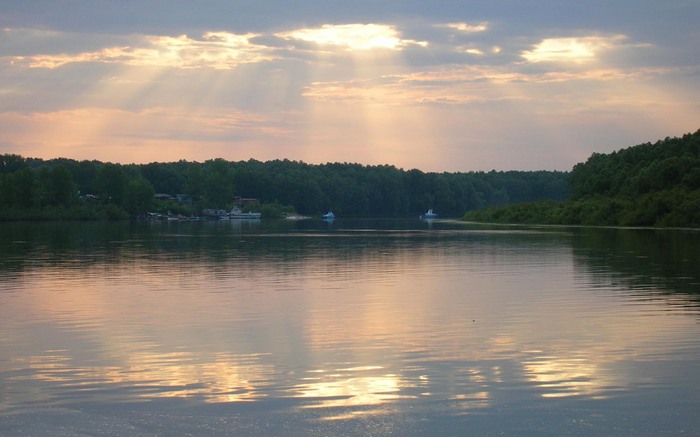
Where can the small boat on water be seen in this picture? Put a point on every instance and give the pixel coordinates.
(237, 213)
(428, 215)
(328, 216)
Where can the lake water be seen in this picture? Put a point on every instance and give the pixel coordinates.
(359, 327)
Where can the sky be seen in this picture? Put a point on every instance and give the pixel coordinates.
(438, 86)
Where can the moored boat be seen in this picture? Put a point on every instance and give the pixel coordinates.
(429, 215)
(237, 213)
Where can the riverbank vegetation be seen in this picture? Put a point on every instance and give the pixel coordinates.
(646, 185)
(33, 188)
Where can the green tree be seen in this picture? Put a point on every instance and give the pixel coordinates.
(218, 183)
(58, 188)
(139, 196)
(165, 178)
(24, 188)
(194, 181)
(110, 183)
(10, 163)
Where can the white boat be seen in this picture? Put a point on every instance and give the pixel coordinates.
(237, 213)
(428, 215)
(328, 216)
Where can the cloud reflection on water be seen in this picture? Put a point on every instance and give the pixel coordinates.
(354, 326)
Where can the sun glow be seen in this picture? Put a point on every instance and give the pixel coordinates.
(100, 133)
(577, 50)
(348, 116)
(151, 98)
(328, 93)
(353, 36)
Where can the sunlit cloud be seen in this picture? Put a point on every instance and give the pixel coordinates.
(468, 27)
(352, 87)
(218, 50)
(473, 51)
(461, 85)
(353, 36)
(577, 50)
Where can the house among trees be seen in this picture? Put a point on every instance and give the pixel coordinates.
(183, 198)
(243, 201)
(214, 213)
(163, 196)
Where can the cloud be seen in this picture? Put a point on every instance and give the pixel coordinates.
(221, 50)
(575, 49)
(473, 51)
(465, 85)
(337, 81)
(467, 27)
(353, 36)
(218, 50)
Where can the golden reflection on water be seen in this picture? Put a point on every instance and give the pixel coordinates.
(342, 391)
(336, 332)
(563, 377)
(165, 375)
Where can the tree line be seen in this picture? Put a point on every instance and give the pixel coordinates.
(65, 188)
(645, 185)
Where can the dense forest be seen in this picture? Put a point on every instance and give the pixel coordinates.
(63, 188)
(645, 185)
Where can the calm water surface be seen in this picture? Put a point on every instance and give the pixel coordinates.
(359, 327)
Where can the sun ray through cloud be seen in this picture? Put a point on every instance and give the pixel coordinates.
(358, 113)
(165, 90)
(370, 87)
